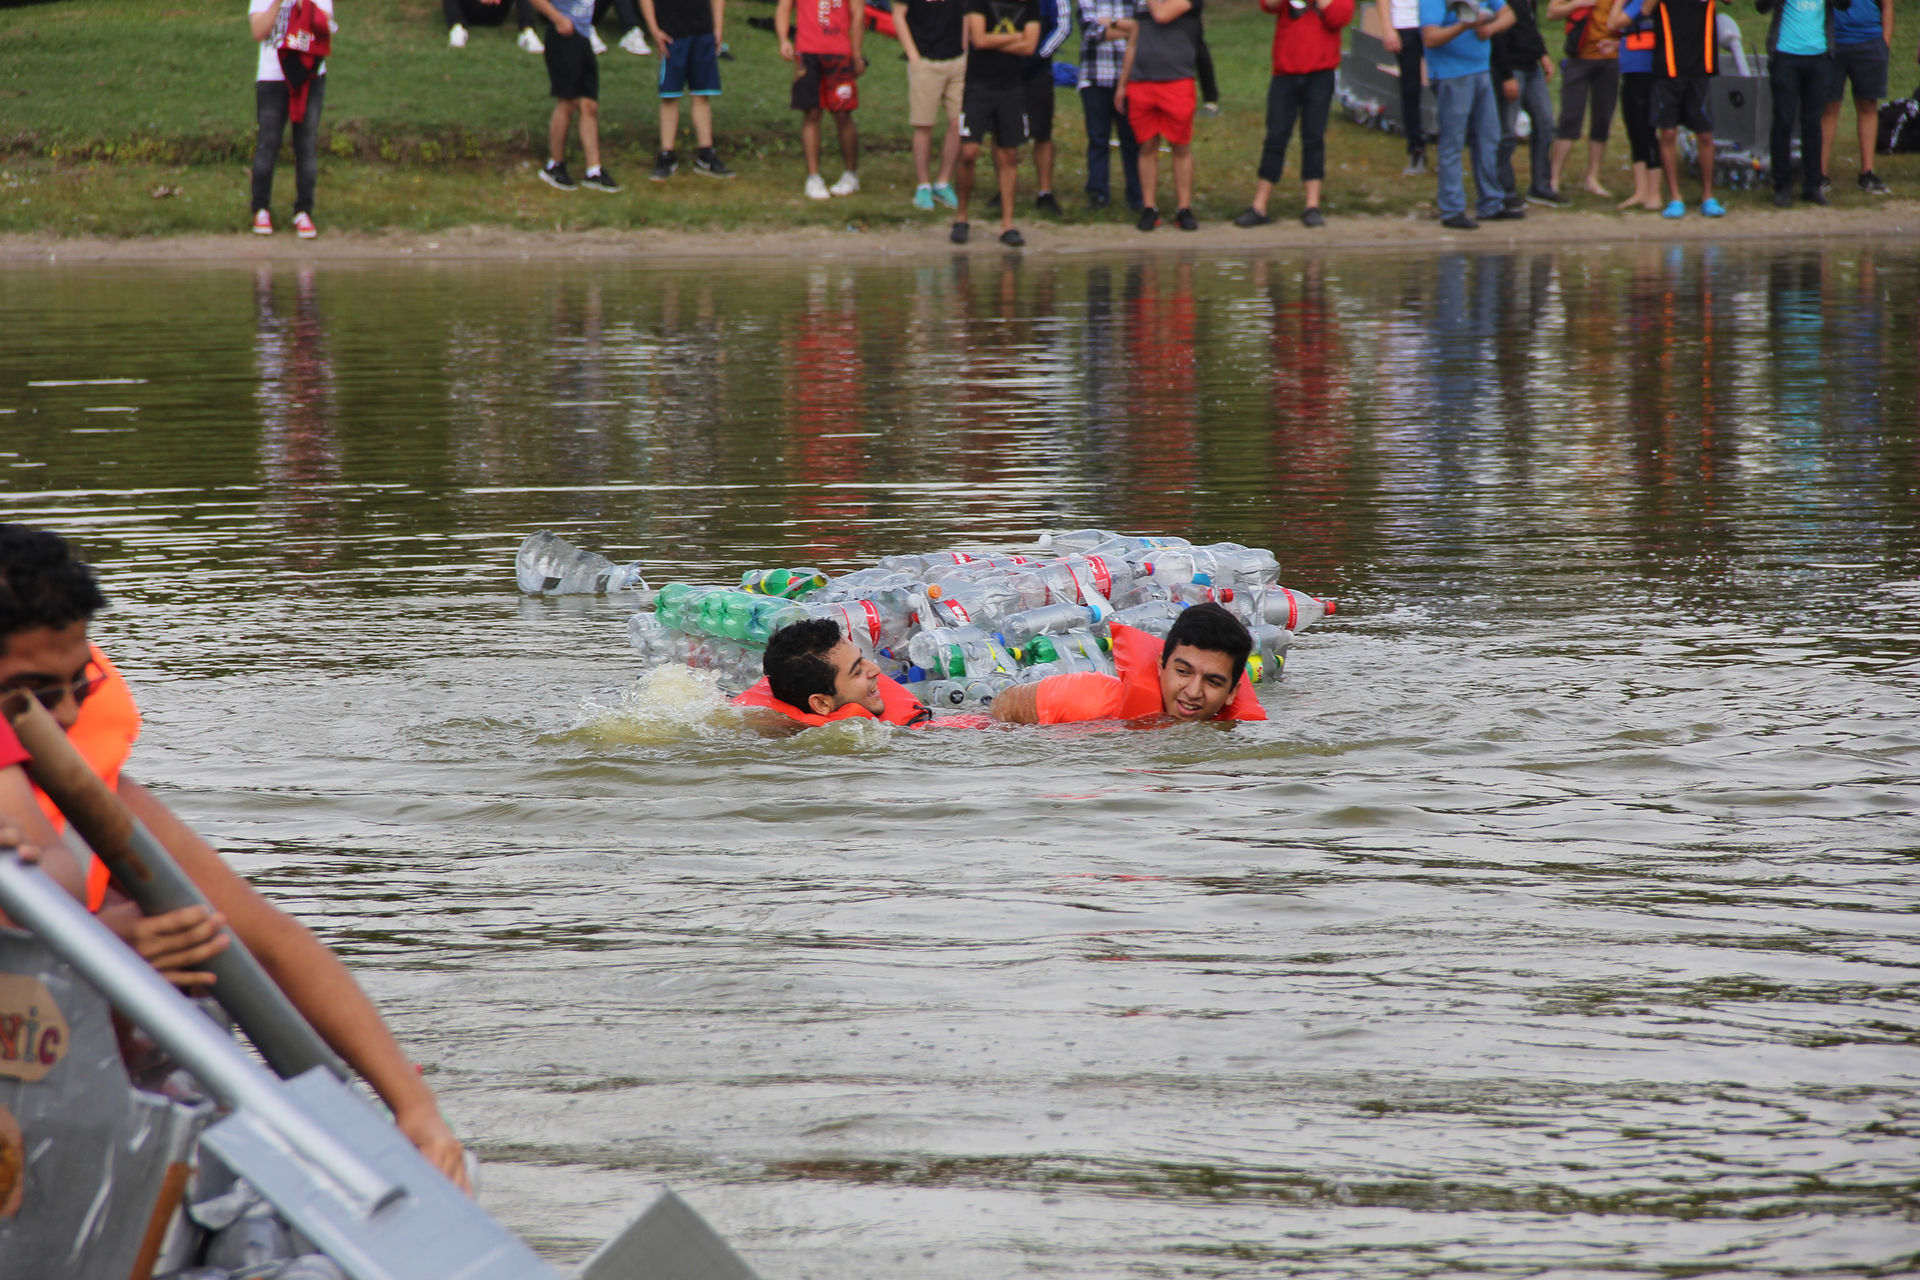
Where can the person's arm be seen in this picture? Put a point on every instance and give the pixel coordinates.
(1165, 11)
(22, 824)
(1119, 103)
(1886, 22)
(1433, 37)
(783, 28)
(261, 22)
(1028, 41)
(719, 23)
(1559, 9)
(903, 29)
(856, 33)
(1018, 705)
(313, 979)
(561, 23)
(1389, 35)
(1501, 22)
(652, 22)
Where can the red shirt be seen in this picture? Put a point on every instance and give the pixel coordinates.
(826, 26)
(1310, 41)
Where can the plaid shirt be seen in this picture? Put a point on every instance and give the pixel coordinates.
(1100, 60)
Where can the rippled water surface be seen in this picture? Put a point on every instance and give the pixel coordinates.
(1561, 921)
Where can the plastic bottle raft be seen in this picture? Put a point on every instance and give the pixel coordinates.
(956, 627)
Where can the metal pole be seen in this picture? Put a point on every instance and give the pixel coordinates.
(41, 907)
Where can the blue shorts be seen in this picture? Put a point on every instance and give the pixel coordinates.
(691, 64)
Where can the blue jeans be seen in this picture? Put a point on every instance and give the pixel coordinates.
(1102, 120)
(1535, 101)
(1468, 120)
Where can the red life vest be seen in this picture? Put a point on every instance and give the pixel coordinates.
(901, 707)
(104, 735)
(1137, 656)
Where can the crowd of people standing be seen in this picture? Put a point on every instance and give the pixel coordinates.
(1145, 73)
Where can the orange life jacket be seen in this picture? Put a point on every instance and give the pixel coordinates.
(901, 708)
(104, 735)
(1137, 656)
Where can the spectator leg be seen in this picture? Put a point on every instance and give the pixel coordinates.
(849, 140)
(1509, 112)
(810, 142)
(1283, 108)
(1814, 85)
(1538, 104)
(1006, 169)
(1316, 107)
(270, 106)
(1410, 55)
(525, 14)
(1129, 160)
(306, 148)
(1203, 63)
(450, 9)
(1606, 90)
(1454, 97)
(1096, 104)
(1784, 82)
(1573, 105)
(702, 121)
(1484, 129)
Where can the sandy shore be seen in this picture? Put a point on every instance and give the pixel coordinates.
(1897, 220)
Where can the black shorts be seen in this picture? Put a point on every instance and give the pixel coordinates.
(1037, 84)
(1682, 100)
(1865, 66)
(572, 70)
(999, 109)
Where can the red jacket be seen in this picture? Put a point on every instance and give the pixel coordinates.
(1311, 41)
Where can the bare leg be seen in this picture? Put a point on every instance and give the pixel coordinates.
(1706, 165)
(1149, 171)
(1183, 176)
(557, 129)
(950, 149)
(1639, 199)
(590, 132)
(1043, 164)
(1596, 153)
(1263, 192)
(849, 141)
(1557, 159)
(1670, 159)
(702, 122)
(1006, 167)
(1313, 193)
(670, 122)
(922, 153)
(810, 141)
(1829, 123)
(963, 178)
(1867, 115)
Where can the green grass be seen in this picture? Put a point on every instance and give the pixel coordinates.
(104, 101)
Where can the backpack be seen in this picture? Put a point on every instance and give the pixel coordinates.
(1577, 28)
(1900, 125)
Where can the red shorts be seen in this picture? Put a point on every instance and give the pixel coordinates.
(825, 82)
(1162, 109)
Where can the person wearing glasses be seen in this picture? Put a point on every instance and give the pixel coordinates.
(47, 599)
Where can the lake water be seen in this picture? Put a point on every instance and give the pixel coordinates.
(1563, 920)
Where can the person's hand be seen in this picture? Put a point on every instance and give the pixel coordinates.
(174, 942)
(859, 65)
(429, 1133)
(786, 49)
(1391, 40)
(1546, 67)
(1510, 89)
(1120, 96)
(563, 24)
(662, 39)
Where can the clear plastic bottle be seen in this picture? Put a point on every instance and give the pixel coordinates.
(1155, 617)
(975, 694)
(1175, 565)
(1294, 610)
(860, 582)
(1070, 651)
(1020, 628)
(547, 564)
(647, 634)
(1075, 540)
(957, 652)
(792, 584)
(978, 604)
(1252, 566)
(770, 615)
(1269, 656)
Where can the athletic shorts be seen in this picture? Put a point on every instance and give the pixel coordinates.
(1162, 109)
(825, 82)
(1865, 67)
(1037, 82)
(997, 109)
(572, 70)
(691, 64)
(1682, 100)
(932, 86)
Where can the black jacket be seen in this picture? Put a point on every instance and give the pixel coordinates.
(1520, 45)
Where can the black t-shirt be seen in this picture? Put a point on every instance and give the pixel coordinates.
(679, 18)
(1684, 38)
(993, 66)
(938, 26)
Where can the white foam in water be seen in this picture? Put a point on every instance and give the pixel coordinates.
(668, 704)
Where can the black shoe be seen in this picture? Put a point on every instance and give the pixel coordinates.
(1815, 196)
(1313, 217)
(1550, 198)
(1185, 220)
(708, 161)
(1507, 213)
(1871, 184)
(959, 233)
(598, 179)
(1782, 198)
(1460, 222)
(1516, 202)
(1012, 238)
(1826, 184)
(1149, 218)
(1252, 218)
(1098, 199)
(1045, 203)
(556, 176)
(663, 167)
(726, 52)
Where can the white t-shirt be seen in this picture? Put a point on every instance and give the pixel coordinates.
(270, 56)
(1404, 13)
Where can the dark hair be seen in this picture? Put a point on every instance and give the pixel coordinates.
(41, 584)
(796, 662)
(1208, 626)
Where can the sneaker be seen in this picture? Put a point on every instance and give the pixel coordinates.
(1045, 203)
(555, 175)
(848, 184)
(943, 194)
(1012, 238)
(1871, 184)
(1460, 222)
(1416, 164)
(1549, 197)
(1507, 213)
(599, 179)
(635, 43)
(1149, 218)
(663, 167)
(817, 188)
(923, 197)
(1185, 220)
(1313, 217)
(1675, 209)
(1711, 208)
(1782, 198)
(1209, 109)
(262, 223)
(1826, 185)
(726, 51)
(1098, 199)
(1252, 217)
(1816, 196)
(959, 233)
(706, 160)
(456, 36)
(303, 226)
(594, 42)
(530, 40)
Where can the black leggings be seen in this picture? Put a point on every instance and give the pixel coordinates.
(472, 13)
(1636, 113)
(1203, 69)
(1411, 52)
(1799, 82)
(1308, 97)
(271, 107)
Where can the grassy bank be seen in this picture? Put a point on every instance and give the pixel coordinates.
(134, 117)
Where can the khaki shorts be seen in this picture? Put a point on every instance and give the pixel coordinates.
(932, 85)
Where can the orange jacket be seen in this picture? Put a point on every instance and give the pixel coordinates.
(104, 735)
(902, 708)
(1134, 695)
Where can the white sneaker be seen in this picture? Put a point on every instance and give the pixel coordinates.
(530, 41)
(457, 37)
(848, 184)
(817, 187)
(634, 42)
(598, 45)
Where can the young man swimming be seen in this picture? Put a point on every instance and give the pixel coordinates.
(1195, 674)
(814, 674)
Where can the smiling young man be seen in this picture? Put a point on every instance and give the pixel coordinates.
(47, 598)
(814, 675)
(1195, 674)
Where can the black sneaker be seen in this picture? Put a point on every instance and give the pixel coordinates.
(1185, 220)
(1508, 213)
(1149, 218)
(1012, 238)
(726, 53)
(1460, 222)
(1816, 196)
(556, 176)
(1313, 217)
(1549, 197)
(708, 161)
(1098, 199)
(1871, 184)
(1826, 185)
(1045, 202)
(1782, 198)
(959, 233)
(664, 166)
(599, 179)
(1252, 218)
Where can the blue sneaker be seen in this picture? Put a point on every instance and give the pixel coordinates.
(1711, 208)
(1678, 209)
(923, 198)
(943, 192)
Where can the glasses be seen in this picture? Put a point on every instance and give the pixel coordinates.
(50, 695)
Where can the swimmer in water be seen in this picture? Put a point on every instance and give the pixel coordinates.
(1197, 673)
(815, 675)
